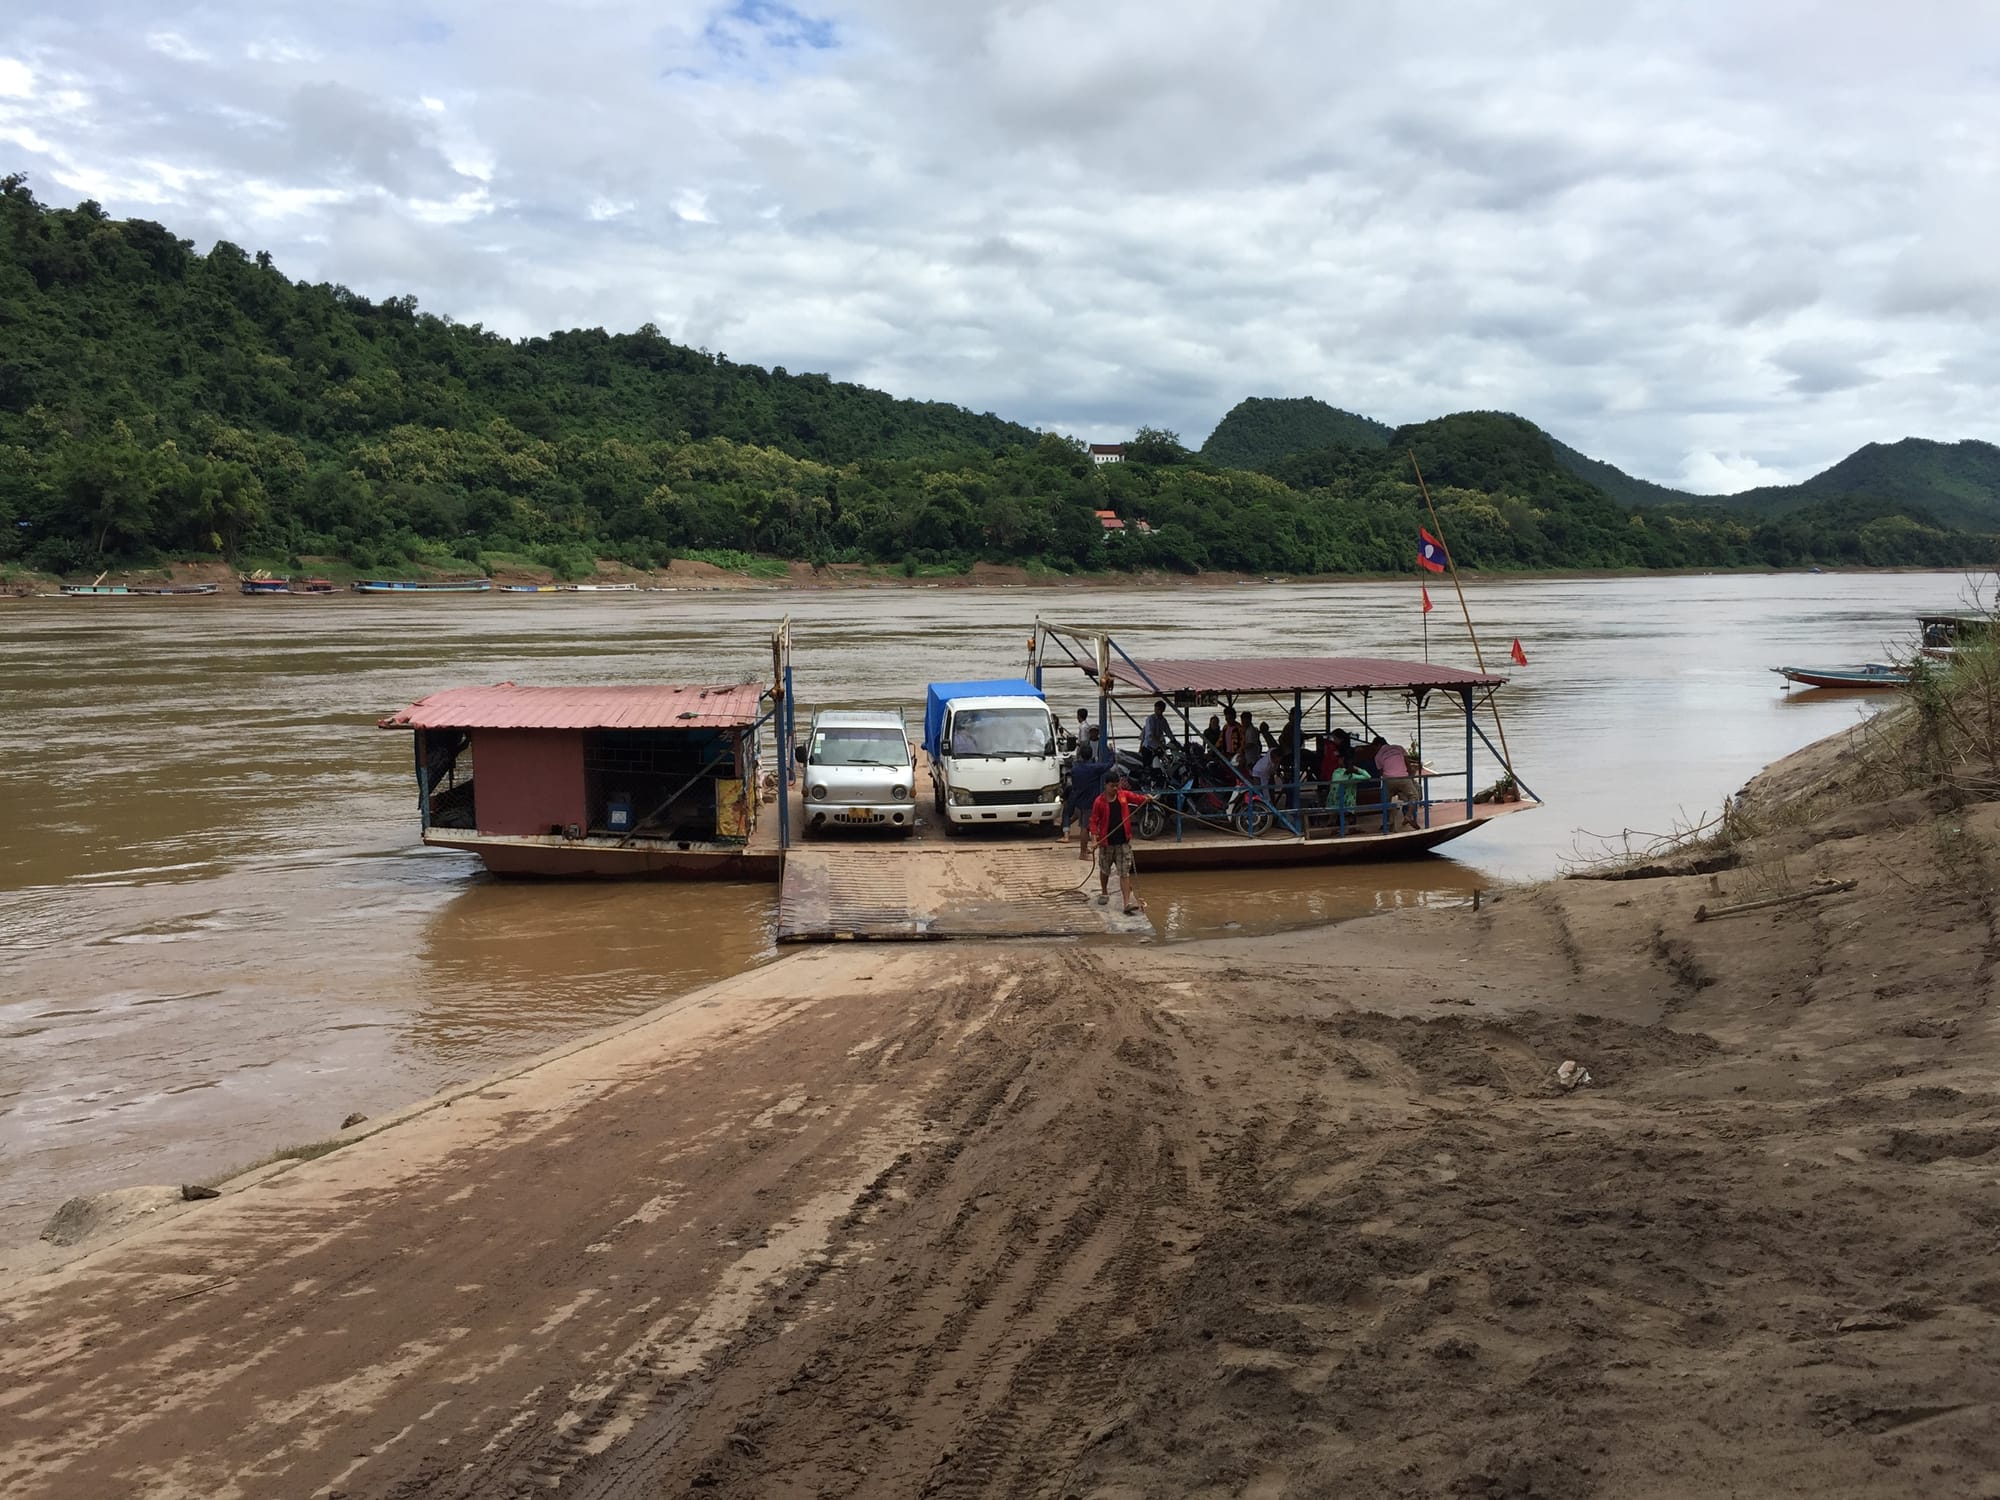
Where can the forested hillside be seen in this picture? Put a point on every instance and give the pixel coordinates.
(1261, 429)
(1958, 482)
(156, 402)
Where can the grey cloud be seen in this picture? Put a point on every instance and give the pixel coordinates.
(1658, 233)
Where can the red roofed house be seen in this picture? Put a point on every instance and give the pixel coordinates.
(1107, 453)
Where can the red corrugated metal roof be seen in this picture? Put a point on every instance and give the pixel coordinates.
(506, 706)
(1288, 674)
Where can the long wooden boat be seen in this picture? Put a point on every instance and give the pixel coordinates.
(262, 586)
(135, 590)
(443, 586)
(1869, 675)
(314, 586)
(600, 588)
(530, 588)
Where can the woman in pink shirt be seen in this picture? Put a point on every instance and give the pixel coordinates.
(1399, 786)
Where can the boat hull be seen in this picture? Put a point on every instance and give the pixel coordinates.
(1885, 679)
(547, 857)
(1227, 852)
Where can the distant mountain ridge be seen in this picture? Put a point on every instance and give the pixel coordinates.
(1957, 483)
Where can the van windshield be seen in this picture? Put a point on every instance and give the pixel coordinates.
(859, 747)
(1000, 731)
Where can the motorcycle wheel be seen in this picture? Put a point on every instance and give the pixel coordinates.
(1151, 822)
(1253, 820)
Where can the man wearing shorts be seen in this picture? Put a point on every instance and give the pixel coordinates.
(1110, 834)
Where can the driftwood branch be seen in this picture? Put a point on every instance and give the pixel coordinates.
(1818, 888)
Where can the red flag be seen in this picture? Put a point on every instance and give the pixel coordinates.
(1520, 656)
(1430, 552)
(1427, 598)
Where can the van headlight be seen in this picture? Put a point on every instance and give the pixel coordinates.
(898, 793)
(961, 798)
(819, 794)
(1048, 794)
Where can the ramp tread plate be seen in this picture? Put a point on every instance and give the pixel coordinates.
(963, 891)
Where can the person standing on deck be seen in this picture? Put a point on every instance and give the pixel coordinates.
(1110, 835)
(1154, 734)
(1399, 786)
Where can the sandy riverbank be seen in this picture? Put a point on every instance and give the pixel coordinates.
(1284, 1217)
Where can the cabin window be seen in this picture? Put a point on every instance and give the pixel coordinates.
(447, 757)
(659, 783)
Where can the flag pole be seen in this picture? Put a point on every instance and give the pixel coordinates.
(1506, 757)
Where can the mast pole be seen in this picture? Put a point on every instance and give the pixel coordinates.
(1506, 757)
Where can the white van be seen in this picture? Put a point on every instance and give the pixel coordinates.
(992, 749)
(858, 771)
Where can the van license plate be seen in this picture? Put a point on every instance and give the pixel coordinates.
(857, 817)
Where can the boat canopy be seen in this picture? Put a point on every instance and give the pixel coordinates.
(1275, 675)
(508, 706)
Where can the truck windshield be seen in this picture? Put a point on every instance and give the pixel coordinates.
(859, 747)
(1000, 731)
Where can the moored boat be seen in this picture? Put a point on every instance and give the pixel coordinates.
(1941, 637)
(1205, 813)
(101, 590)
(440, 586)
(595, 782)
(600, 588)
(530, 588)
(1874, 674)
(256, 584)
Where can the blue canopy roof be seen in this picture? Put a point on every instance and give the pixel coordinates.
(941, 693)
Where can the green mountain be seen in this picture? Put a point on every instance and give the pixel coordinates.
(1619, 485)
(156, 402)
(1260, 429)
(1958, 482)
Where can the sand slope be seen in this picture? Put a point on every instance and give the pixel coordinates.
(1290, 1217)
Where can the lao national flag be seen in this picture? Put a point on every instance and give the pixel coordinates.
(1430, 552)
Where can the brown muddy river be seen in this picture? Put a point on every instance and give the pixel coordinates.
(219, 934)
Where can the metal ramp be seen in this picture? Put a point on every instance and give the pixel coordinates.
(961, 891)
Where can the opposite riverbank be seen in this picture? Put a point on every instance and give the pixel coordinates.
(772, 574)
(1267, 1216)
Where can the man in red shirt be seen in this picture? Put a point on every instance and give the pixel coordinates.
(1111, 836)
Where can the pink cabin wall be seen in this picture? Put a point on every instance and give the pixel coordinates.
(527, 780)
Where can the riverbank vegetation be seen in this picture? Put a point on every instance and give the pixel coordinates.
(156, 402)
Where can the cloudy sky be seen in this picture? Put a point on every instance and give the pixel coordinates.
(1715, 244)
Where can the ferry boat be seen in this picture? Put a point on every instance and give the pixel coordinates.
(596, 782)
(1202, 813)
(442, 586)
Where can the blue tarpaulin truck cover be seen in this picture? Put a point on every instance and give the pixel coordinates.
(941, 693)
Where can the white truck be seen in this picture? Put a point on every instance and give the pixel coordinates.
(992, 751)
